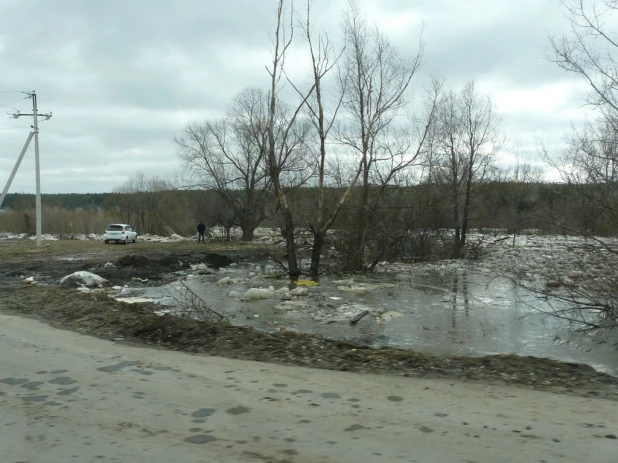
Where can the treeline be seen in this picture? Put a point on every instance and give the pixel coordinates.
(155, 212)
(511, 206)
(69, 201)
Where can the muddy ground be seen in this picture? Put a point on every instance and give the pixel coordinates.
(98, 315)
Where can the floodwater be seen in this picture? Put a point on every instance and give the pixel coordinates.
(459, 313)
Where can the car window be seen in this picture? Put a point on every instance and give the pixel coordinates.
(114, 228)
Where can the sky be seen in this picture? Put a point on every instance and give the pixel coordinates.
(122, 78)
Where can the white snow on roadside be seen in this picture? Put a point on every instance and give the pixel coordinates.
(134, 300)
(86, 278)
(13, 236)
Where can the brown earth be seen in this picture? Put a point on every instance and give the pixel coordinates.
(98, 315)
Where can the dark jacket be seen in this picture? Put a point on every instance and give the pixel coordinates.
(201, 227)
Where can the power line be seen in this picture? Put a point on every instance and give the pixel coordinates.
(8, 88)
(16, 127)
(11, 89)
(6, 105)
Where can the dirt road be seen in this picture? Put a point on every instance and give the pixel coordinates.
(66, 397)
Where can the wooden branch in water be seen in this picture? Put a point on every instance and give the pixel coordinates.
(500, 239)
(355, 320)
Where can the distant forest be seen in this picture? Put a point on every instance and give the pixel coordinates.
(511, 206)
(69, 201)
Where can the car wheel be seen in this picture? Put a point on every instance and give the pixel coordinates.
(126, 240)
(106, 241)
(135, 239)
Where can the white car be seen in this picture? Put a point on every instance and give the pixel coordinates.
(120, 232)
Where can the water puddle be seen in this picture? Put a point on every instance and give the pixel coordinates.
(461, 313)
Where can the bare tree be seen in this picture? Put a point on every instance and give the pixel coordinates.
(375, 79)
(468, 138)
(147, 203)
(588, 168)
(321, 216)
(588, 297)
(589, 51)
(229, 156)
(520, 181)
(228, 219)
(281, 147)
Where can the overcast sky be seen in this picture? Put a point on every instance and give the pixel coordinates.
(123, 77)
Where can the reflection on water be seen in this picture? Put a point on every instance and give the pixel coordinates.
(455, 290)
(456, 314)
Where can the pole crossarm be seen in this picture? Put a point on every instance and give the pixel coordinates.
(46, 116)
(34, 113)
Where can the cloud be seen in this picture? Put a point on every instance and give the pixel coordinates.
(123, 77)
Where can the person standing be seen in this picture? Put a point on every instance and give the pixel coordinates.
(201, 228)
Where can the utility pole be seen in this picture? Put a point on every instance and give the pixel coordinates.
(35, 132)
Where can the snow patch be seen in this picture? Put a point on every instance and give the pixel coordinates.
(86, 278)
(254, 294)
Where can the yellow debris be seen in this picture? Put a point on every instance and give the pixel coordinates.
(307, 283)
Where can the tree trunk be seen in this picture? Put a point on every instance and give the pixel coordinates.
(247, 233)
(318, 244)
(362, 223)
(247, 224)
(362, 239)
(466, 210)
(290, 245)
(456, 250)
(272, 159)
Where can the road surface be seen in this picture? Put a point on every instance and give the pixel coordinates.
(66, 398)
